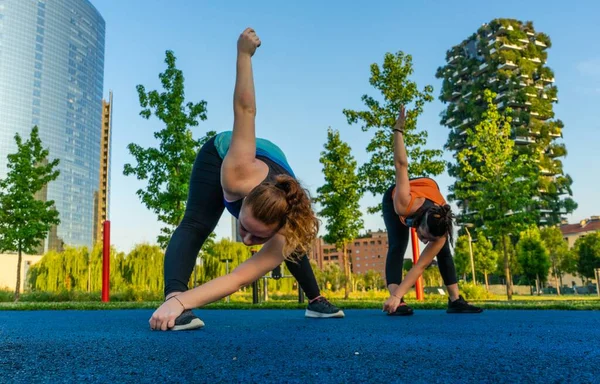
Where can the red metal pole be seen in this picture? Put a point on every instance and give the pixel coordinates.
(106, 262)
(415, 249)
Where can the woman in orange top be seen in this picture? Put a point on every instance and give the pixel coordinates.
(417, 203)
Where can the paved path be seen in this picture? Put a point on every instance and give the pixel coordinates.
(261, 346)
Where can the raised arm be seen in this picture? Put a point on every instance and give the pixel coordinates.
(240, 163)
(402, 194)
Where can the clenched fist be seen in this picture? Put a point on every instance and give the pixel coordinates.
(248, 42)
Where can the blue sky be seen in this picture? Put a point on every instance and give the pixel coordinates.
(313, 63)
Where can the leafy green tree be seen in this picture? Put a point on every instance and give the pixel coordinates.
(340, 197)
(167, 169)
(558, 250)
(392, 80)
(495, 181)
(432, 277)
(513, 262)
(143, 268)
(462, 257)
(24, 219)
(214, 256)
(533, 256)
(484, 257)
(588, 252)
(333, 276)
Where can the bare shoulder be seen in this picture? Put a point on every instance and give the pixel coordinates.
(237, 180)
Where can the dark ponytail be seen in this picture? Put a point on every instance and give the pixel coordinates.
(440, 221)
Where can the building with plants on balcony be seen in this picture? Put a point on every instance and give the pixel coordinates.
(509, 57)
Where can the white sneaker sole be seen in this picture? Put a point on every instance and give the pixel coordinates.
(319, 315)
(194, 324)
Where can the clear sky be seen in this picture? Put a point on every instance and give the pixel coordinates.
(314, 62)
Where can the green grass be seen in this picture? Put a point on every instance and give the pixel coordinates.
(243, 300)
(579, 304)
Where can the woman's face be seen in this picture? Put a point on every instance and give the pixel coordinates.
(253, 231)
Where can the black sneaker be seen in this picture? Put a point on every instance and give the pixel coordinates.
(402, 310)
(187, 321)
(461, 306)
(321, 308)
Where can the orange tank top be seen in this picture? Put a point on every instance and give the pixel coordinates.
(423, 187)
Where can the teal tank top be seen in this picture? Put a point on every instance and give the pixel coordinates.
(264, 148)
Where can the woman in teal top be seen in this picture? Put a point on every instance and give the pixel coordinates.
(253, 180)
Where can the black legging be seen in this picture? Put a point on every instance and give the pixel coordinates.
(202, 213)
(398, 235)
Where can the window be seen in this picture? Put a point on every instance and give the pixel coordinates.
(357, 244)
(357, 251)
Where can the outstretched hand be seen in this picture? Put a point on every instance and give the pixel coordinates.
(248, 42)
(391, 304)
(164, 317)
(401, 120)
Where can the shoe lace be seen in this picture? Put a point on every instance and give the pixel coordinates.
(324, 301)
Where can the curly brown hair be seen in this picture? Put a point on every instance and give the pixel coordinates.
(286, 204)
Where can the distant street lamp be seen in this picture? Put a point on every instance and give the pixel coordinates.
(465, 226)
(598, 281)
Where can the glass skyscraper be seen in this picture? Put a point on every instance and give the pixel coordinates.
(52, 75)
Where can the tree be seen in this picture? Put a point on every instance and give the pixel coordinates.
(333, 276)
(484, 256)
(167, 168)
(340, 197)
(513, 263)
(588, 252)
(214, 256)
(143, 268)
(494, 181)
(392, 81)
(24, 219)
(462, 257)
(533, 256)
(558, 250)
(373, 280)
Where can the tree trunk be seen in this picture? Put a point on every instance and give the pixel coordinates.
(487, 285)
(556, 282)
(561, 281)
(537, 284)
(18, 287)
(507, 270)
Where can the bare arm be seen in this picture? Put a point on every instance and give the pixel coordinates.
(240, 164)
(402, 193)
(430, 251)
(270, 256)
